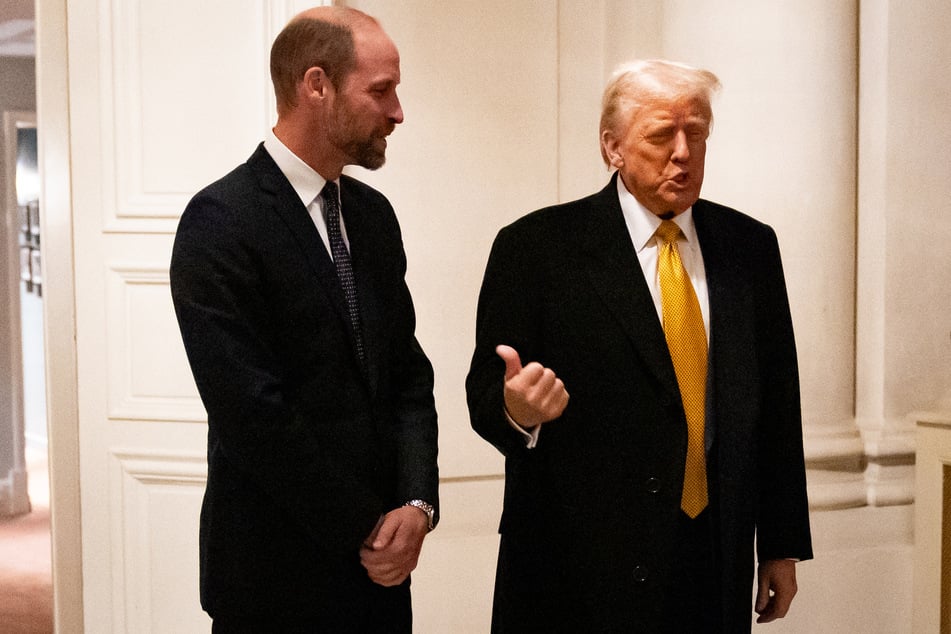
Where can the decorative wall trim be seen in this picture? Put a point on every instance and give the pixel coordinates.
(889, 447)
(146, 541)
(140, 316)
(828, 443)
(136, 200)
(835, 464)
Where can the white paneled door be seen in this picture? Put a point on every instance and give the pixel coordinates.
(163, 97)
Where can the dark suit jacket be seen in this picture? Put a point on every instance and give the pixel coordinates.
(590, 514)
(306, 448)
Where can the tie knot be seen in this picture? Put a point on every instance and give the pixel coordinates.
(329, 192)
(668, 231)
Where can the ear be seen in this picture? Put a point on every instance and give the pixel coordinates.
(315, 84)
(610, 149)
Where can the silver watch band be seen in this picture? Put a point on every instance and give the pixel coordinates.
(426, 508)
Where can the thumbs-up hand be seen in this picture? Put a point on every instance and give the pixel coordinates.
(533, 394)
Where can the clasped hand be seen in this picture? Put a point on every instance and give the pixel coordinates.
(533, 394)
(391, 552)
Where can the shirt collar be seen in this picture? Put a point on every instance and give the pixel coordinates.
(642, 223)
(306, 182)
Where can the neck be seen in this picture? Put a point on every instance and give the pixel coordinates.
(310, 148)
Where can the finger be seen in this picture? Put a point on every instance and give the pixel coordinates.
(513, 364)
(762, 595)
(376, 529)
(389, 580)
(558, 398)
(550, 393)
(544, 381)
(385, 535)
(777, 608)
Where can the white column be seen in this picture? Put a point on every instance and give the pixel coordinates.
(904, 274)
(783, 151)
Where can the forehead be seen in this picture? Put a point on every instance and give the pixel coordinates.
(377, 59)
(657, 110)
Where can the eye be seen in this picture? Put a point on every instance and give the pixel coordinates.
(697, 130)
(380, 91)
(662, 135)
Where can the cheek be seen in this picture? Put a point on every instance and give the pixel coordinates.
(699, 152)
(654, 161)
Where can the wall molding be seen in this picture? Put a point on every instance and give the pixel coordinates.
(137, 198)
(149, 548)
(139, 305)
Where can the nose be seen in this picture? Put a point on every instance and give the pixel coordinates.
(681, 149)
(396, 111)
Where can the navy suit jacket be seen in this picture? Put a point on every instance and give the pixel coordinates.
(307, 447)
(591, 512)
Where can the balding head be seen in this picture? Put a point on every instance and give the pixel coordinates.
(321, 37)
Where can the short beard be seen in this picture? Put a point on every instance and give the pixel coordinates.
(362, 151)
(366, 155)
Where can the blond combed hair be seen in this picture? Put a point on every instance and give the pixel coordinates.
(636, 83)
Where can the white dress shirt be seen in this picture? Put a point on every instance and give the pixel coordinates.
(307, 183)
(642, 224)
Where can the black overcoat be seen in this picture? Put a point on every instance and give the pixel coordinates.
(590, 513)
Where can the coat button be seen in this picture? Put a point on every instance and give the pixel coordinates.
(653, 485)
(640, 574)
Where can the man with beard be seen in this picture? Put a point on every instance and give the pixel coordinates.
(288, 283)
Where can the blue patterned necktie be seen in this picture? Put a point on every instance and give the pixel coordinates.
(342, 261)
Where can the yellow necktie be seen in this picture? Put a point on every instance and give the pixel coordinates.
(687, 341)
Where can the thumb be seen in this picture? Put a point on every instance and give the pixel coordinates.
(513, 365)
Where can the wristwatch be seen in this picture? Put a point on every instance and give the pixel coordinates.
(426, 508)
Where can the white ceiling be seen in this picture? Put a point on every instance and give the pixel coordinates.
(17, 29)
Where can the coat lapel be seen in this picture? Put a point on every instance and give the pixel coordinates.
(361, 234)
(616, 274)
(729, 295)
(285, 202)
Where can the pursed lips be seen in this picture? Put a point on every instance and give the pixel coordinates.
(681, 178)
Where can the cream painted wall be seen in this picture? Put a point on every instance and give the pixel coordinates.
(478, 148)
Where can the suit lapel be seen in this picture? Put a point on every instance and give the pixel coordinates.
(616, 274)
(363, 254)
(284, 201)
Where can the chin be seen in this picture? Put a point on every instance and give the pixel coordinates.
(373, 162)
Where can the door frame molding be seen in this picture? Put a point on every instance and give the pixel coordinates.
(53, 119)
